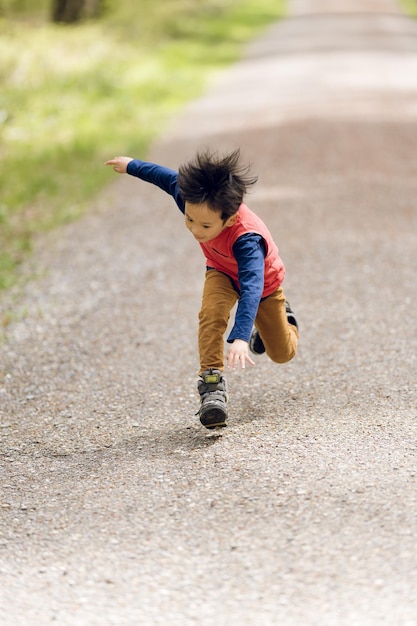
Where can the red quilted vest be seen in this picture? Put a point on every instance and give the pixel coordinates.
(219, 251)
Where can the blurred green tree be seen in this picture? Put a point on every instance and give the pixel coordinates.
(70, 11)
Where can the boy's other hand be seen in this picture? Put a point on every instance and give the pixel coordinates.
(119, 163)
(238, 353)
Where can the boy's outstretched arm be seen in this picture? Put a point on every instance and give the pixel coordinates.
(119, 163)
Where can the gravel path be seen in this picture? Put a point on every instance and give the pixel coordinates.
(116, 507)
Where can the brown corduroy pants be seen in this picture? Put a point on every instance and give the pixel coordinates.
(279, 338)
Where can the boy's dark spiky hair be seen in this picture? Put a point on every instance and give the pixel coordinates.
(221, 182)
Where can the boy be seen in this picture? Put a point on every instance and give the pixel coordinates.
(242, 263)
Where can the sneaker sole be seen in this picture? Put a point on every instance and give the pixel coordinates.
(213, 418)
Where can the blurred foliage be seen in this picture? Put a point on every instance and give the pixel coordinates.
(72, 96)
(38, 10)
(410, 7)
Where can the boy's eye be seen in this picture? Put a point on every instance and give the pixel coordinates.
(188, 218)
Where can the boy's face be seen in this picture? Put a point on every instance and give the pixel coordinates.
(204, 223)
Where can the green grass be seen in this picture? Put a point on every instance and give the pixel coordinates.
(410, 7)
(72, 96)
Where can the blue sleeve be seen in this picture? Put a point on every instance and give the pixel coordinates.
(162, 177)
(249, 251)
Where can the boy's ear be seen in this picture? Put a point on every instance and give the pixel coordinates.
(231, 220)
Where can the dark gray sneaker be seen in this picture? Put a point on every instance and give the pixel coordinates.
(290, 315)
(213, 393)
(256, 344)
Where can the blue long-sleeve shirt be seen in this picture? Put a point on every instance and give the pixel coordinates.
(249, 250)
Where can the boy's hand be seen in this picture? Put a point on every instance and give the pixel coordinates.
(238, 353)
(119, 163)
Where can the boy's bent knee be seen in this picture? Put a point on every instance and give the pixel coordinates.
(282, 357)
(286, 351)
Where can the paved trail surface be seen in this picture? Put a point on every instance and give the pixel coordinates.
(116, 508)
